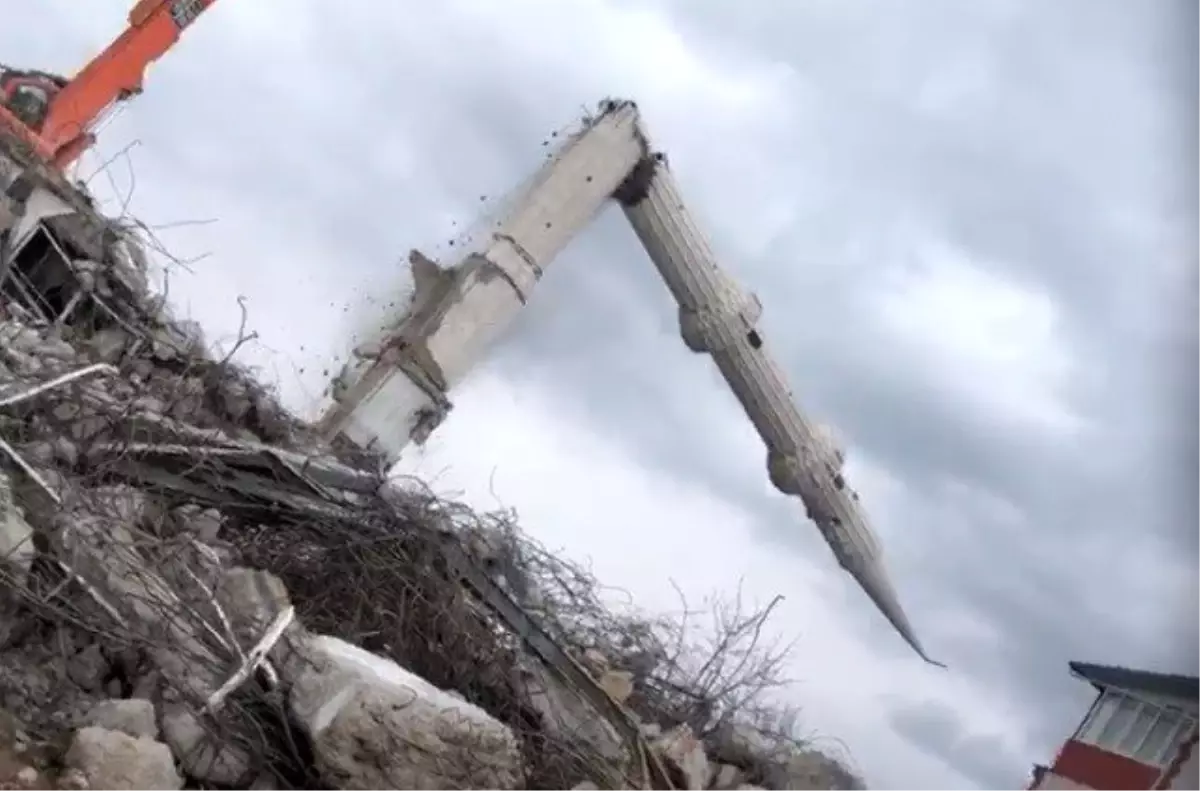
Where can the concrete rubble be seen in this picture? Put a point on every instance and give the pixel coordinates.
(375, 725)
(161, 516)
(161, 576)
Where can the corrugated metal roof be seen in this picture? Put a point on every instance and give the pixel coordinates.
(1168, 684)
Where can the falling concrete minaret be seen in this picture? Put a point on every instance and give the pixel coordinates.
(716, 317)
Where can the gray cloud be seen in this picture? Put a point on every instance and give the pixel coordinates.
(939, 730)
(1046, 142)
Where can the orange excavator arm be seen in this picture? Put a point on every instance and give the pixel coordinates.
(113, 75)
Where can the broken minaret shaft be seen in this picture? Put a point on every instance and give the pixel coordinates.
(718, 318)
(400, 392)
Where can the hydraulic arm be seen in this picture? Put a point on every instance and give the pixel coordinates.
(55, 116)
(398, 391)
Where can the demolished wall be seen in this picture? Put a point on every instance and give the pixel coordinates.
(191, 581)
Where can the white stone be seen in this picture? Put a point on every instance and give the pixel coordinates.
(681, 747)
(114, 760)
(16, 536)
(618, 684)
(72, 780)
(726, 777)
(375, 725)
(567, 715)
(202, 754)
(134, 717)
(109, 344)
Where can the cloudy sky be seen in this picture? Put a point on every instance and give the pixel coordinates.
(972, 226)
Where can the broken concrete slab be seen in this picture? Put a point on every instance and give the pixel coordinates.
(203, 754)
(133, 717)
(16, 536)
(375, 725)
(17, 766)
(108, 345)
(72, 780)
(115, 760)
(567, 715)
(89, 667)
(726, 777)
(251, 599)
(808, 768)
(202, 523)
(618, 684)
(741, 745)
(680, 747)
(103, 552)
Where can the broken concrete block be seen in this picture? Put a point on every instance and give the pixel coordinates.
(106, 558)
(110, 759)
(66, 411)
(127, 505)
(16, 764)
(726, 778)
(650, 730)
(57, 349)
(807, 768)
(16, 537)
(109, 344)
(187, 398)
(375, 725)
(204, 755)
(88, 668)
(595, 661)
(134, 717)
(236, 399)
(17, 774)
(149, 404)
(567, 715)
(65, 451)
(72, 780)
(88, 427)
(147, 686)
(742, 745)
(24, 340)
(204, 524)
(143, 369)
(265, 781)
(683, 750)
(39, 453)
(251, 599)
(618, 684)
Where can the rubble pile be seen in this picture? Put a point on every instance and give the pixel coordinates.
(197, 591)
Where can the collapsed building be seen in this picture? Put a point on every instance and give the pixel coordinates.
(197, 590)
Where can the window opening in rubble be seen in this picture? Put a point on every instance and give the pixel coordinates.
(40, 278)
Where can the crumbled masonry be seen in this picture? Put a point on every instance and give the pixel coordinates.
(197, 592)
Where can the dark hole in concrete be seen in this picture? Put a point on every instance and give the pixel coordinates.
(40, 278)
